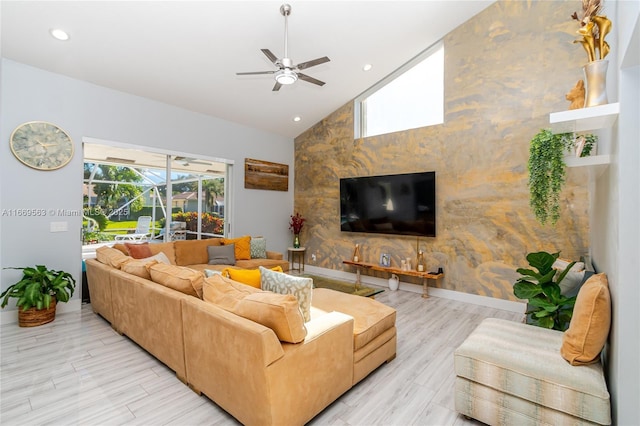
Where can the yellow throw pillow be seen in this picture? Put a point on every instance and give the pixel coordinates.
(247, 276)
(587, 333)
(242, 246)
(180, 278)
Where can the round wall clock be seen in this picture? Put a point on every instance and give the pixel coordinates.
(41, 145)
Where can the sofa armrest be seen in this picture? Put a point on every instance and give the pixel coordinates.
(274, 255)
(99, 281)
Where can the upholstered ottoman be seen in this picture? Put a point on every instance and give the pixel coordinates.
(374, 330)
(513, 373)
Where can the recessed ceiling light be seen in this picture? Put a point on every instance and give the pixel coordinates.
(297, 118)
(59, 34)
(367, 67)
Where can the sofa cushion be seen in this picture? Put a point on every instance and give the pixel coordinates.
(258, 248)
(267, 263)
(242, 246)
(276, 311)
(179, 278)
(370, 317)
(138, 250)
(587, 333)
(110, 256)
(122, 248)
(221, 255)
(247, 276)
(192, 252)
(282, 283)
(166, 248)
(140, 267)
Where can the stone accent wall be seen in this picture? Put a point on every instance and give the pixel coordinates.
(505, 70)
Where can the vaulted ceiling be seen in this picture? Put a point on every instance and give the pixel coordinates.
(187, 53)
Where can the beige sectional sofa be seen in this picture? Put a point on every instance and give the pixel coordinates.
(239, 363)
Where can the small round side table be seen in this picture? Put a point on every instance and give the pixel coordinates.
(292, 254)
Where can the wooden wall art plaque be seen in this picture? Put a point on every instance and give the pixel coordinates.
(265, 175)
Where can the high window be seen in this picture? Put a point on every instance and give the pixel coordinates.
(411, 97)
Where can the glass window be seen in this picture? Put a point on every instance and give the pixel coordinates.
(123, 184)
(411, 97)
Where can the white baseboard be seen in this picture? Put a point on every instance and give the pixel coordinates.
(490, 302)
(11, 316)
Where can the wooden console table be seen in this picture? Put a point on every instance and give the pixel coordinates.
(426, 276)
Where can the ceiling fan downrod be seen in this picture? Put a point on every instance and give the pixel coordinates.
(285, 10)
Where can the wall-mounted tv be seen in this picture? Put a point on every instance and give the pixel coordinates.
(403, 204)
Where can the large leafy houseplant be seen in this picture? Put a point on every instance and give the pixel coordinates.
(38, 286)
(548, 308)
(547, 171)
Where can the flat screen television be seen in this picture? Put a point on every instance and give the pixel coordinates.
(402, 204)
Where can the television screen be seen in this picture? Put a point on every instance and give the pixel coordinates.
(403, 204)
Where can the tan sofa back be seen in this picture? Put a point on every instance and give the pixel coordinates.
(151, 315)
(193, 252)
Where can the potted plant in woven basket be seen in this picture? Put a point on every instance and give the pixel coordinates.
(37, 292)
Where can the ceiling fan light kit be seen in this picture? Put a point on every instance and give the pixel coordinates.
(286, 76)
(287, 72)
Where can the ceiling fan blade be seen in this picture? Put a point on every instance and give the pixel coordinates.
(310, 79)
(276, 87)
(270, 55)
(255, 73)
(313, 63)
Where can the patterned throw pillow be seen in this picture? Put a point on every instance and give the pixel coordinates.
(279, 282)
(258, 248)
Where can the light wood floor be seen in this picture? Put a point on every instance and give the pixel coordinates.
(78, 371)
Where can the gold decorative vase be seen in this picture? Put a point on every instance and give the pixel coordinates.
(296, 241)
(595, 74)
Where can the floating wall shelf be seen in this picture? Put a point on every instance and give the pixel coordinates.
(583, 119)
(596, 163)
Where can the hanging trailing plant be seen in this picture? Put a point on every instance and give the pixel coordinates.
(546, 174)
(547, 171)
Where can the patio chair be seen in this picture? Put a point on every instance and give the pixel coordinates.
(141, 233)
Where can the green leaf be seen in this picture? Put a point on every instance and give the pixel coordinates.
(542, 261)
(529, 272)
(526, 290)
(542, 314)
(546, 322)
(565, 272)
(544, 304)
(46, 301)
(552, 291)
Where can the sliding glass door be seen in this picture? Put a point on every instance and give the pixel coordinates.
(174, 195)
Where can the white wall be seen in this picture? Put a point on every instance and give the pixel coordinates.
(87, 110)
(616, 231)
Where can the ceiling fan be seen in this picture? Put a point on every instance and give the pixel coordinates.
(287, 72)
